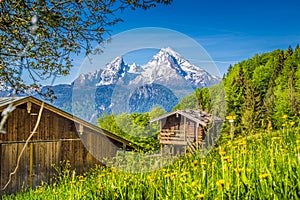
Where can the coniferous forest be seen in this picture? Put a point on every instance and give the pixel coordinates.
(264, 91)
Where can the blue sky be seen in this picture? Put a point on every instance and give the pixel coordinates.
(229, 31)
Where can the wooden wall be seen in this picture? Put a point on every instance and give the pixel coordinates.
(177, 123)
(184, 126)
(56, 140)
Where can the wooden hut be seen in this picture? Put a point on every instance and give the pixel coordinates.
(59, 137)
(183, 129)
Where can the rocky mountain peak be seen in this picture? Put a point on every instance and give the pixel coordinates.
(113, 71)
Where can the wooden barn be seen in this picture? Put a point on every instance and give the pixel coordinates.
(59, 137)
(185, 129)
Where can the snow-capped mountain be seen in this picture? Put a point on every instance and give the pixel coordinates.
(121, 87)
(113, 71)
(166, 67)
(169, 67)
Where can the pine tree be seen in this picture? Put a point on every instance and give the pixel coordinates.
(269, 100)
(251, 107)
(289, 51)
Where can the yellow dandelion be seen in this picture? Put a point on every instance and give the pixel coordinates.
(194, 183)
(200, 196)
(292, 123)
(195, 162)
(184, 173)
(243, 143)
(203, 163)
(263, 176)
(183, 180)
(283, 125)
(243, 152)
(168, 175)
(276, 138)
(222, 153)
(295, 149)
(101, 175)
(220, 182)
(238, 170)
(284, 116)
(171, 175)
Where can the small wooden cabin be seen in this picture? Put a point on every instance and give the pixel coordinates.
(60, 137)
(183, 129)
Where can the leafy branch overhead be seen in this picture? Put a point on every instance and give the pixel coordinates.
(41, 36)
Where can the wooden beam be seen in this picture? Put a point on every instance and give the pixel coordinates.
(28, 107)
(174, 138)
(184, 127)
(80, 129)
(160, 125)
(174, 142)
(167, 134)
(30, 164)
(171, 139)
(197, 137)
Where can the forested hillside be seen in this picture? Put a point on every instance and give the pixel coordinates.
(264, 91)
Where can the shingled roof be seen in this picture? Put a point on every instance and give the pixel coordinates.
(197, 116)
(16, 101)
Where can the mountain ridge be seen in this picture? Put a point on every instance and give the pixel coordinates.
(166, 57)
(121, 87)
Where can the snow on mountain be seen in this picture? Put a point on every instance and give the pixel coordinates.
(134, 69)
(113, 71)
(166, 67)
(89, 79)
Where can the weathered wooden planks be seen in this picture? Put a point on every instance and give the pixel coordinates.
(55, 140)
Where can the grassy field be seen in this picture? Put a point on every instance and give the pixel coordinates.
(260, 166)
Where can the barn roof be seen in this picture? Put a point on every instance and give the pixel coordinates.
(16, 101)
(5, 101)
(197, 116)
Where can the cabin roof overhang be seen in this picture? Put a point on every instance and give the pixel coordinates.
(17, 101)
(199, 117)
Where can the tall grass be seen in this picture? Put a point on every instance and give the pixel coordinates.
(260, 166)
